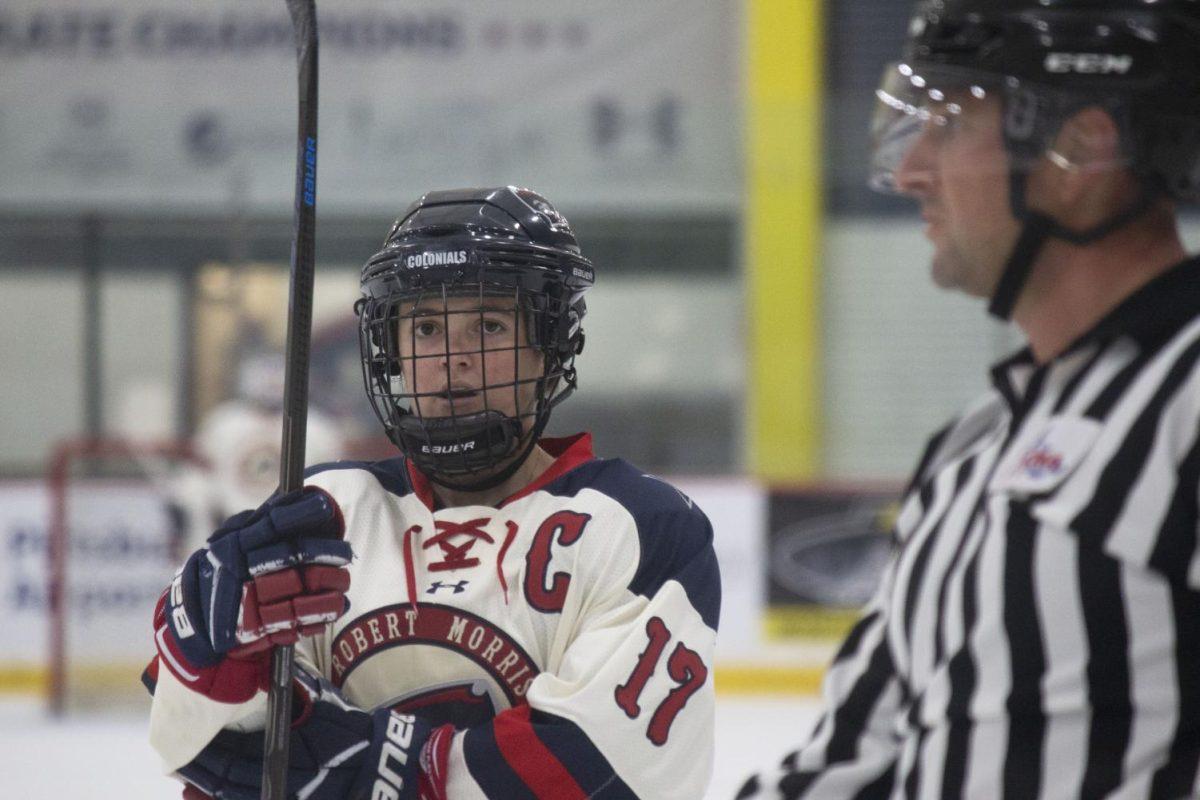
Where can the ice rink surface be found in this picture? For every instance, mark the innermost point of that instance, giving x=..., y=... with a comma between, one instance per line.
x=107, y=756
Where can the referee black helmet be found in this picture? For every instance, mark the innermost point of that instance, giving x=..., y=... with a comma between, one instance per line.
x=1046, y=60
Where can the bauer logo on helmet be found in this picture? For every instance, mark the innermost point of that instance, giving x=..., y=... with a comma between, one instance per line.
x=446, y=449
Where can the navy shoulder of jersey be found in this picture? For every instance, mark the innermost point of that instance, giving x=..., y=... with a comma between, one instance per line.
x=391, y=473
x=676, y=537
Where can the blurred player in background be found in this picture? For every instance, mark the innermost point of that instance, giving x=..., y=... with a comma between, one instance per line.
x=524, y=619
x=1037, y=633
x=238, y=442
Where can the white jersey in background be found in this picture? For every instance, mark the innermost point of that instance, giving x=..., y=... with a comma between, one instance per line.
x=239, y=444
x=240, y=441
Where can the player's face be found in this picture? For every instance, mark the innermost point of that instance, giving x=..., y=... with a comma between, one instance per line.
x=959, y=172
x=462, y=355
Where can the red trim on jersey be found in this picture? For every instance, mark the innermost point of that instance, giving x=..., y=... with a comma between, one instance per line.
x=410, y=575
x=151, y=670
x=568, y=452
x=233, y=679
x=435, y=764
x=508, y=540
x=535, y=765
x=421, y=485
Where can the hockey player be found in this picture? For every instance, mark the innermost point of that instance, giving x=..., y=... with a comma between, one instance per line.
x=522, y=619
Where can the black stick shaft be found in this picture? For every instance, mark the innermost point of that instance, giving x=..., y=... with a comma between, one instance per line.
x=295, y=391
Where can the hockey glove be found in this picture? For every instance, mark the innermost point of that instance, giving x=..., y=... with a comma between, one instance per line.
x=338, y=752
x=266, y=577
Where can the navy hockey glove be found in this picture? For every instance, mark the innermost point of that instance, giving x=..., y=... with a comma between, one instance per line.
x=338, y=752
x=266, y=577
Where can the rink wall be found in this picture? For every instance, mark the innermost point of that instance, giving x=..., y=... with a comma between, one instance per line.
x=796, y=563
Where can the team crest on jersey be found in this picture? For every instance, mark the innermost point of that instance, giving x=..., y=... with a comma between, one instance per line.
x=444, y=627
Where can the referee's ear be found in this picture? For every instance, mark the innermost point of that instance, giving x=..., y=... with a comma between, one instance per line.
x=1083, y=179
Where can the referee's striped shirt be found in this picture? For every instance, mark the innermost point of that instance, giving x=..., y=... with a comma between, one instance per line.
x=1037, y=634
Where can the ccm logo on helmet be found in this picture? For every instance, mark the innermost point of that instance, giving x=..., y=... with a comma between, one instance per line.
x=436, y=259
x=393, y=758
x=1088, y=63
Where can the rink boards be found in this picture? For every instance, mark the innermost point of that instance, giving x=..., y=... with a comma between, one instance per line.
x=796, y=563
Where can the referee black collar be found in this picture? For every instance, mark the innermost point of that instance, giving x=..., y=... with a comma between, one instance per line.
x=1151, y=315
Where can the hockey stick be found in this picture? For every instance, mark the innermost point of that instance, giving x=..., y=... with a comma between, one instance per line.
x=295, y=382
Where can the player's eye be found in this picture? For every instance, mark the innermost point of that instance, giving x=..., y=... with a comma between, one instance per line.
x=424, y=328
x=493, y=326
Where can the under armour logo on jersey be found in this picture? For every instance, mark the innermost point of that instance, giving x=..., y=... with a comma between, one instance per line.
x=457, y=588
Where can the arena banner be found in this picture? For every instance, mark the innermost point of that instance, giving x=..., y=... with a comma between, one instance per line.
x=121, y=559
x=826, y=549
x=170, y=104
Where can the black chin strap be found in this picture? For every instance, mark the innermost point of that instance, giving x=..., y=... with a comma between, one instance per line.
x=1034, y=232
x=449, y=481
x=1036, y=228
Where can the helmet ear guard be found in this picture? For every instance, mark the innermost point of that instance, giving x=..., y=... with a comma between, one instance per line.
x=376, y=336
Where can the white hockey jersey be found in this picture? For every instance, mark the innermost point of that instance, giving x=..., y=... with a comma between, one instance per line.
x=568, y=634
x=238, y=441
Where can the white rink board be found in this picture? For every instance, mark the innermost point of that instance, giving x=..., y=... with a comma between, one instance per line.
x=737, y=510
x=119, y=566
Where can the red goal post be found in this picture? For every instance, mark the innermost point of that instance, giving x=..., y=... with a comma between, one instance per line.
x=109, y=521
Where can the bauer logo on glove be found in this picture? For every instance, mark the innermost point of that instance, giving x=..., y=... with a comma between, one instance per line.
x=338, y=752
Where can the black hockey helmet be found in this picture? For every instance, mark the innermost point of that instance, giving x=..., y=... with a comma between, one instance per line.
x=498, y=248
x=1046, y=60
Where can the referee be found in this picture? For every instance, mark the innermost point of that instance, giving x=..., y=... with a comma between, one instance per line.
x=1037, y=633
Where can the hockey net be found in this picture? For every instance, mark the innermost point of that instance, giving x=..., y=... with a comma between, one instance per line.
x=114, y=541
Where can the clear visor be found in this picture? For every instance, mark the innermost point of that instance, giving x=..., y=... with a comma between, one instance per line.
x=909, y=104
x=994, y=138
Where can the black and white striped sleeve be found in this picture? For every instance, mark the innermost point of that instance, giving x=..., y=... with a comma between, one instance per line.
x=853, y=748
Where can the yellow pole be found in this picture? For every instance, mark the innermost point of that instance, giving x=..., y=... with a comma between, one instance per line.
x=783, y=244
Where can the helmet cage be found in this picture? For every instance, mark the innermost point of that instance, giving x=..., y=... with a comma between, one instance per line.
x=479, y=447
x=477, y=252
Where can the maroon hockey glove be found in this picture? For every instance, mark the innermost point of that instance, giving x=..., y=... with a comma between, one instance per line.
x=266, y=577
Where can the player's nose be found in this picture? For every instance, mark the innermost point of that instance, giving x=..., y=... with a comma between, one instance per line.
x=462, y=351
